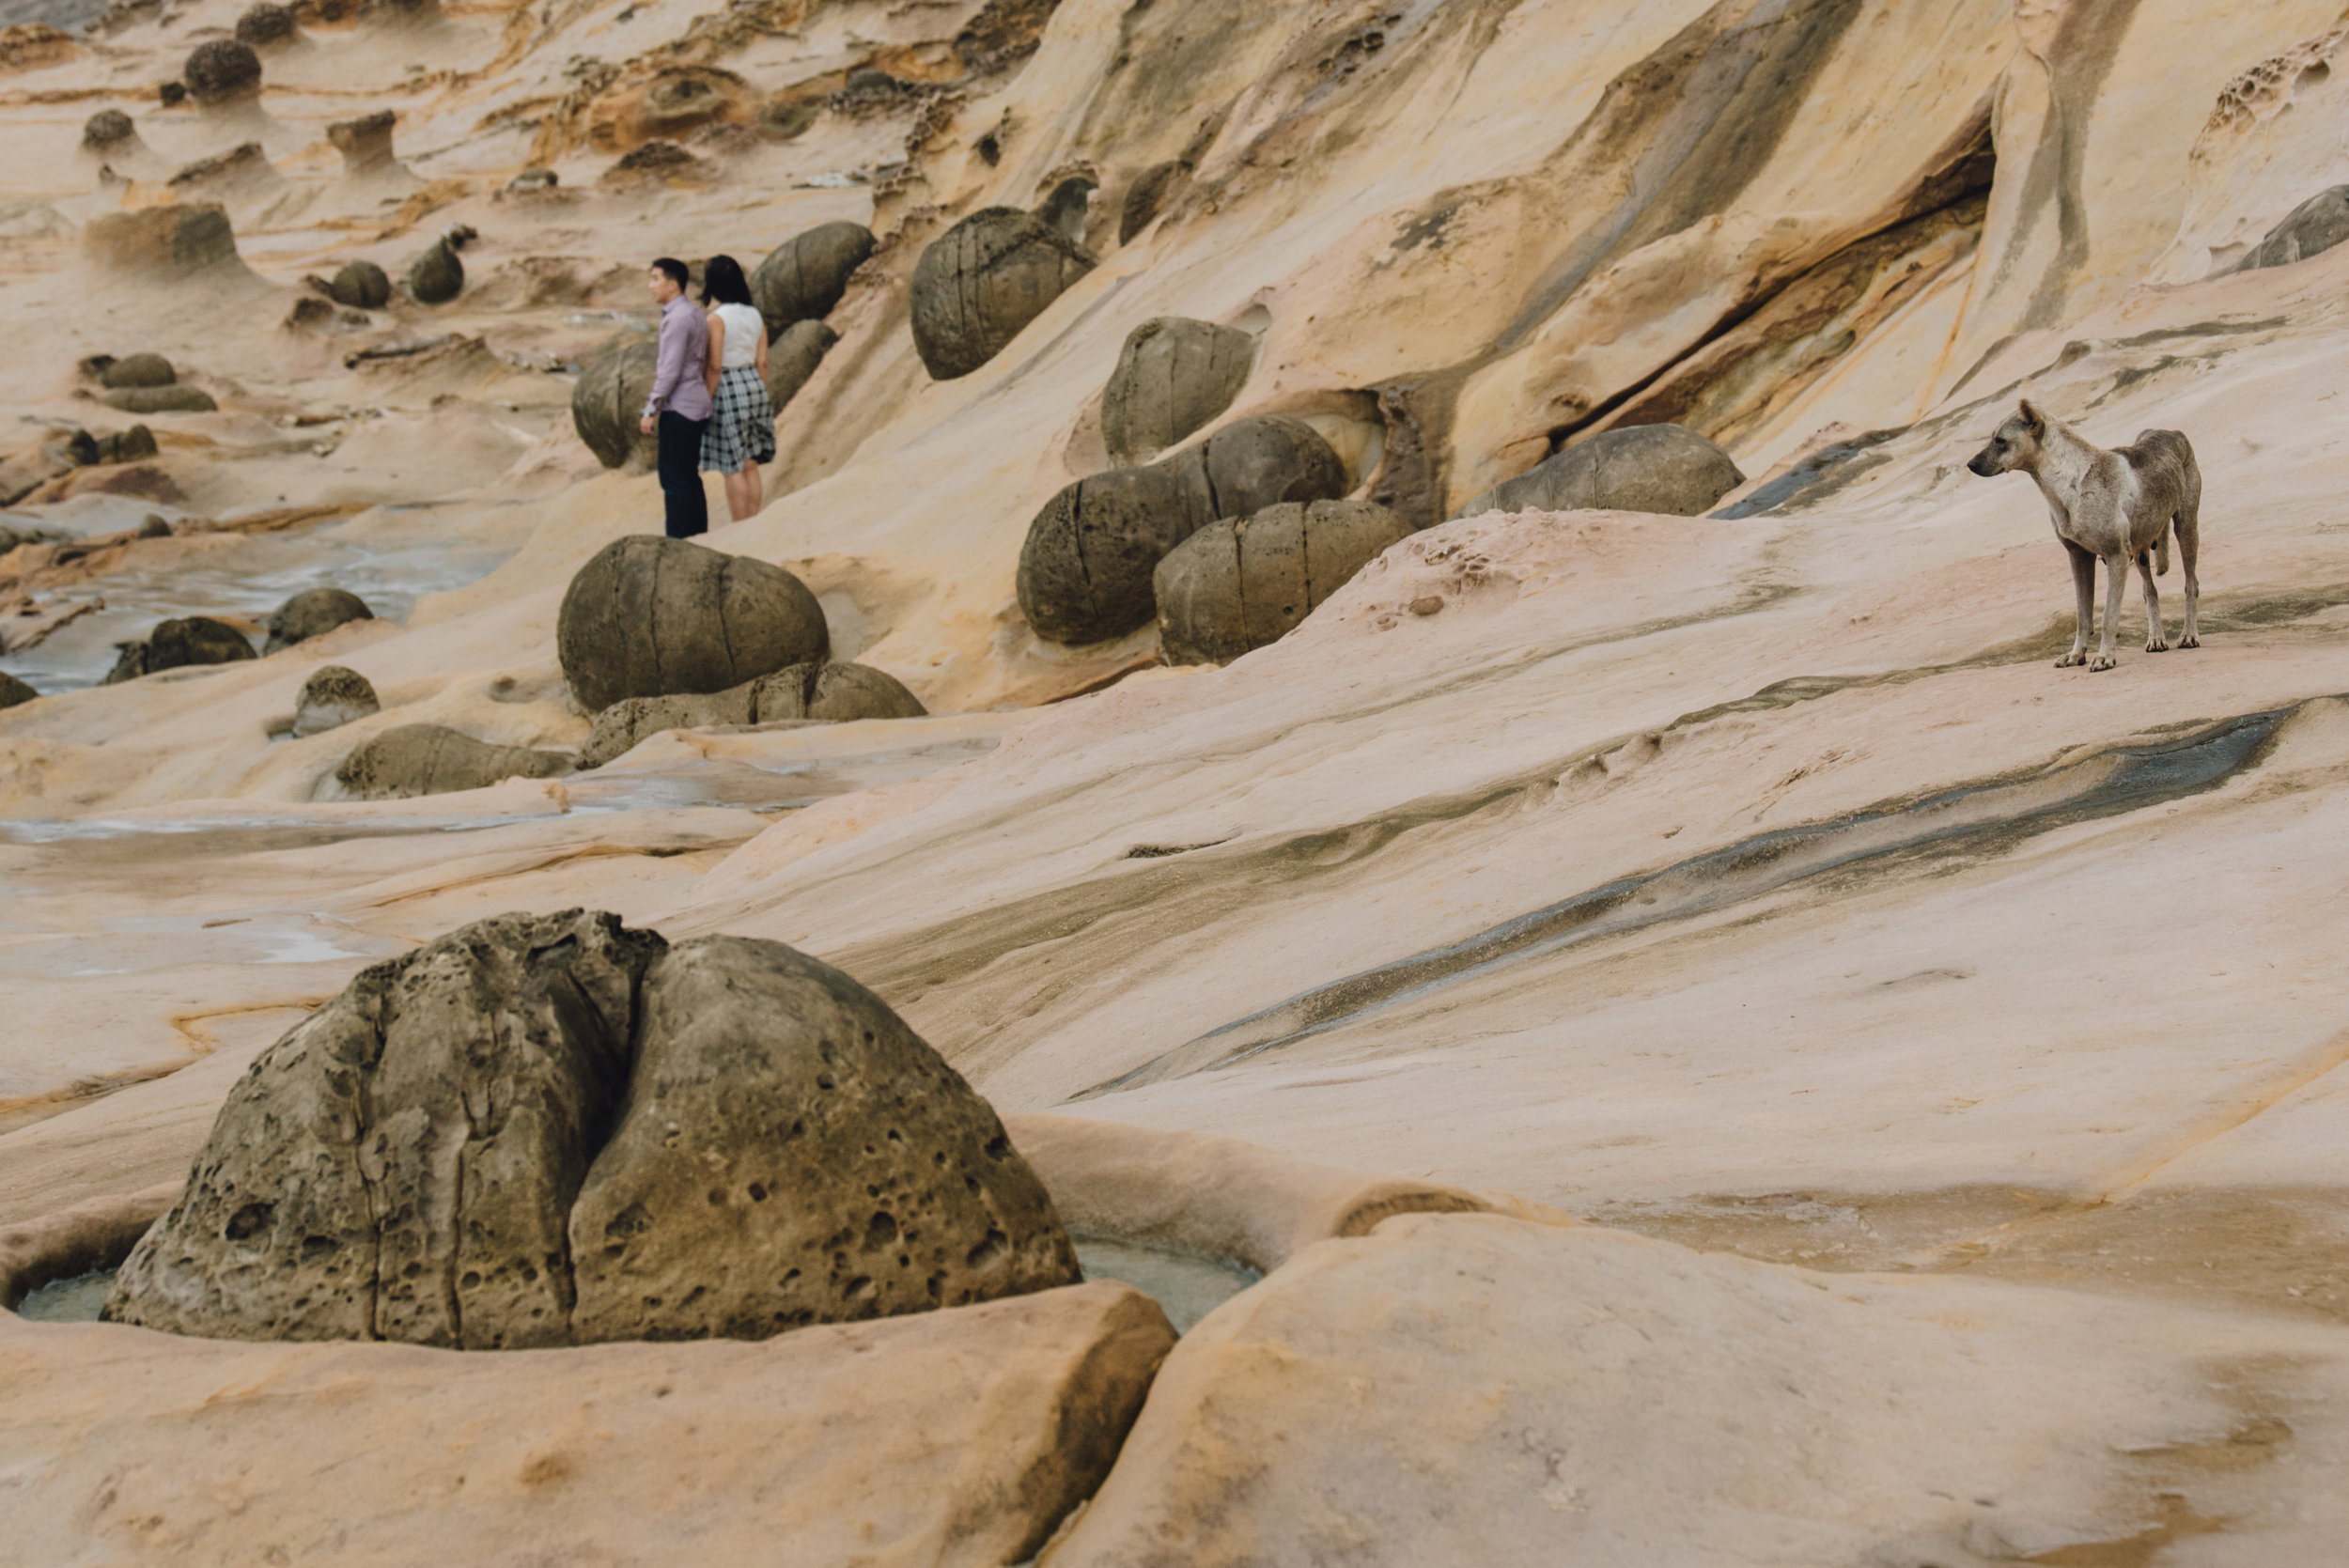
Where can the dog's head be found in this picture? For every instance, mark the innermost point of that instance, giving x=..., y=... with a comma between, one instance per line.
x=2015, y=444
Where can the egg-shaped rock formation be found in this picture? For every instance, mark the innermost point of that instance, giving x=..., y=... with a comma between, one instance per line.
x=437, y=277
x=361, y=286
x=221, y=72
x=721, y=1137
x=792, y=358
x=265, y=25
x=609, y=396
x=1243, y=582
x=1641, y=467
x=803, y=278
x=177, y=643
x=1085, y=569
x=433, y=759
x=14, y=692
x=108, y=131
x=2311, y=228
x=138, y=370
x=331, y=698
x=311, y=613
x=826, y=692
x=1174, y=376
x=982, y=281
x=653, y=617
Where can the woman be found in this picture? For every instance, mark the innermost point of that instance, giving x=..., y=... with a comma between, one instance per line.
x=741, y=433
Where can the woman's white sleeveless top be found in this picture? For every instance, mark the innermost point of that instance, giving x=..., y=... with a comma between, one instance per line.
x=743, y=326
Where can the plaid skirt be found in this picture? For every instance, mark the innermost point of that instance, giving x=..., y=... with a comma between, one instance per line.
x=741, y=423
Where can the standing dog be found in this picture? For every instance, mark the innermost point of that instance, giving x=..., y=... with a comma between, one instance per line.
x=2113, y=506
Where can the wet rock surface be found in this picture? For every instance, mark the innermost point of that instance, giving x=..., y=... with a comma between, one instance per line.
x=332, y=697
x=656, y=617
x=433, y=759
x=549, y=1129
x=1174, y=376
x=803, y=278
x=1085, y=569
x=2311, y=228
x=824, y=691
x=1644, y=468
x=313, y=612
x=610, y=396
x=177, y=644
x=1243, y=582
x=982, y=281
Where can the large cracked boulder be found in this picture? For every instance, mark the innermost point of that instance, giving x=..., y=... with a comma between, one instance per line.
x=609, y=397
x=2311, y=228
x=361, y=286
x=822, y=693
x=1174, y=376
x=433, y=759
x=803, y=278
x=332, y=697
x=1245, y=583
x=176, y=645
x=793, y=357
x=221, y=72
x=313, y=612
x=653, y=617
x=545, y=1130
x=1085, y=569
x=138, y=370
x=437, y=277
x=982, y=281
x=1641, y=467
x=13, y=691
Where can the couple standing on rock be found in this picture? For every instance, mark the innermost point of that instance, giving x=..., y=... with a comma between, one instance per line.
x=708, y=405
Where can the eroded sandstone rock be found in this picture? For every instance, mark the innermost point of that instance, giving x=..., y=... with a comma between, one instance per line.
x=221, y=72
x=1085, y=569
x=825, y=692
x=433, y=759
x=1174, y=376
x=162, y=243
x=265, y=25
x=331, y=698
x=160, y=399
x=366, y=143
x=653, y=617
x=108, y=131
x=437, y=277
x=312, y=612
x=1244, y=582
x=793, y=357
x=803, y=278
x=177, y=644
x=14, y=692
x=2311, y=228
x=138, y=370
x=361, y=285
x=982, y=281
x=610, y=395
x=1641, y=468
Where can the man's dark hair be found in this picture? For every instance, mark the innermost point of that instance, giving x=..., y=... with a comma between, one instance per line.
x=723, y=283
x=676, y=269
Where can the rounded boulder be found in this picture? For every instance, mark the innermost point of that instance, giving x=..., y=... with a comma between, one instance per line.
x=980, y=282
x=107, y=129
x=793, y=358
x=223, y=71
x=312, y=612
x=160, y=399
x=332, y=697
x=175, y=645
x=437, y=277
x=433, y=759
x=803, y=278
x=138, y=370
x=1243, y=582
x=1640, y=468
x=654, y=617
x=834, y=693
x=610, y=395
x=13, y=691
x=265, y=25
x=2311, y=228
x=1172, y=377
x=361, y=286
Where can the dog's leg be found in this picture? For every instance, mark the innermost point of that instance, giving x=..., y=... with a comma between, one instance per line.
x=2154, y=641
x=2084, y=603
x=2188, y=523
x=2116, y=574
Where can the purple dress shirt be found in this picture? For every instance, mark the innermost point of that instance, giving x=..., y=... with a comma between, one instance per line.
x=678, y=381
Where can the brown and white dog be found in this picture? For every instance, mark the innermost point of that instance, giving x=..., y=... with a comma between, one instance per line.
x=2113, y=506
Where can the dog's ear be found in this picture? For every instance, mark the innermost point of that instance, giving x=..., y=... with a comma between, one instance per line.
x=2033, y=418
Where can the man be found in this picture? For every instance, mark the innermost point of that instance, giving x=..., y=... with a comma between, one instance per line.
x=678, y=409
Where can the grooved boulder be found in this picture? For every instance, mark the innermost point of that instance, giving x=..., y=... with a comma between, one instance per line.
x=825, y=692
x=982, y=281
x=610, y=395
x=332, y=697
x=1641, y=468
x=792, y=358
x=361, y=286
x=433, y=759
x=1084, y=571
x=803, y=278
x=312, y=612
x=1243, y=582
x=653, y=617
x=437, y=277
x=2311, y=228
x=1172, y=377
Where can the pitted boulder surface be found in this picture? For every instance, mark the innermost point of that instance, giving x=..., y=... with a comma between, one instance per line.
x=313, y=612
x=222, y=71
x=819, y=693
x=803, y=278
x=609, y=396
x=547, y=1129
x=433, y=759
x=1643, y=468
x=655, y=618
x=1172, y=377
x=790, y=1154
x=2311, y=228
x=982, y=281
x=1085, y=569
x=177, y=644
x=1244, y=582
x=793, y=357
x=332, y=697
x=361, y=286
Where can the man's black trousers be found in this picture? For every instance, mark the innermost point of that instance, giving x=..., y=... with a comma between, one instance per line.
x=682, y=474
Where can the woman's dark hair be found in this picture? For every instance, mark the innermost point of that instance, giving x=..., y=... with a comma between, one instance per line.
x=723, y=283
